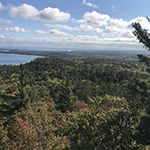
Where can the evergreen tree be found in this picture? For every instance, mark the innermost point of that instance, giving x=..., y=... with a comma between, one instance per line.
x=10, y=105
x=66, y=100
x=24, y=80
x=144, y=37
x=143, y=135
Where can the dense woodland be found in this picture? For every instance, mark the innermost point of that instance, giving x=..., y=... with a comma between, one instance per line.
x=92, y=102
x=84, y=102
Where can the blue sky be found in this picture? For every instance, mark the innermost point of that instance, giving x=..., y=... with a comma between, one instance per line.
x=68, y=24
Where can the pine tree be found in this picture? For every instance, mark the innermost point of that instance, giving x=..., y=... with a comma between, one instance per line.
x=66, y=100
x=143, y=37
x=10, y=105
x=24, y=80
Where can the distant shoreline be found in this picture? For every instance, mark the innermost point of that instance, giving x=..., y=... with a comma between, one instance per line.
x=75, y=54
x=59, y=54
x=21, y=54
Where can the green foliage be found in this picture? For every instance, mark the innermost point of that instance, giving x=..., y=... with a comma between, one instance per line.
x=66, y=100
x=79, y=114
x=106, y=124
x=3, y=135
x=143, y=37
x=141, y=88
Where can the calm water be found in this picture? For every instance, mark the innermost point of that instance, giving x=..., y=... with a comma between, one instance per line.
x=15, y=59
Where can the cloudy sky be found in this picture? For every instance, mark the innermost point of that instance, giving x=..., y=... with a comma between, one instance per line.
x=71, y=24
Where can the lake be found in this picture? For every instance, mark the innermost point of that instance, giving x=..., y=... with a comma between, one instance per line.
x=15, y=59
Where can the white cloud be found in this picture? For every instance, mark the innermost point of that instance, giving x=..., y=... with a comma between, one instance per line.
x=75, y=42
x=97, y=30
x=48, y=14
x=96, y=19
x=117, y=32
x=81, y=21
x=5, y=21
x=40, y=32
x=78, y=21
x=84, y=27
x=57, y=32
x=89, y=4
x=59, y=26
x=126, y=34
x=109, y=26
x=2, y=36
x=24, y=11
x=113, y=8
x=52, y=14
x=118, y=23
x=90, y=21
x=16, y=29
x=1, y=6
x=114, y=29
x=122, y=28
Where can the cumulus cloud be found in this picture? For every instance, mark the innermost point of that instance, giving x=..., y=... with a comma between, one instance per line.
x=96, y=19
x=102, y=24
x=84, y=27
x=16, y=29
x=122, y=28
x=118, y=23
x=97, y=30
x=89, y=4
x=59, y=26
x=126, y=34
x=78, y=21
x=128, y=24
x=118, y=32
x=57, y=32
x=24, y=11
x=92, y=20
x=40, y=32
x=30, y=12
x=5, y=21
x=114, y=29
x=52, y=14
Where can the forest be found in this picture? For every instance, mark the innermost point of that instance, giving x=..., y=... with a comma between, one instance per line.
x=90, y=102
x=94, y=102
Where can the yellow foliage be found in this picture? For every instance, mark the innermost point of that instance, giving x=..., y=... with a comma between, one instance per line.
x=83, y=127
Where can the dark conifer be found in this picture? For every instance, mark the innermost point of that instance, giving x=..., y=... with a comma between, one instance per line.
x=143, y=135
x=144, y=37
x=66, y=99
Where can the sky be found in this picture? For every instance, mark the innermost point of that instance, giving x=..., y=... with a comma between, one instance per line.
x=72, y=25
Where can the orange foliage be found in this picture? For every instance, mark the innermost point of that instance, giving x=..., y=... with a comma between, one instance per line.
x=39, y=126
x=3, y=91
